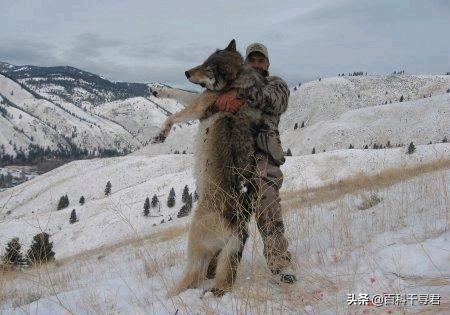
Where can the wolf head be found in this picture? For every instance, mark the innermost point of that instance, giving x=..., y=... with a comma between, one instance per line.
x=219, y=69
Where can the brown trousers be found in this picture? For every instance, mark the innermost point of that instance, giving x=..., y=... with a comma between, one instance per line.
x=268, y=214
x=265, y=203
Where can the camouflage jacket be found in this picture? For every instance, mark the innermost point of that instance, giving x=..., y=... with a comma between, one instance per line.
x=272, y=100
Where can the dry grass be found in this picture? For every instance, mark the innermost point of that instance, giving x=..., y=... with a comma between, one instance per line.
x=358, y=182
x=323, y=231
x=155, y=265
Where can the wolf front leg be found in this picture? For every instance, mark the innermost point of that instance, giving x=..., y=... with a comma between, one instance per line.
x=192, y=112
x=182, y=96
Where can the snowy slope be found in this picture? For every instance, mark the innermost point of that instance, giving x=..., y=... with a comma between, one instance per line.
x=397, y=245
x=142, y=117
x=33, y=204
x=47, y=119
x=65, y=84
x=322, y=100
x=133, y=179
x=22, y=129
x=420, y=121
x=335, y=117
x=84, y=129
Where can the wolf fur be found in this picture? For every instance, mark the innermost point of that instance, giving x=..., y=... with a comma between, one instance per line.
x=183, y=96
x=224, y=152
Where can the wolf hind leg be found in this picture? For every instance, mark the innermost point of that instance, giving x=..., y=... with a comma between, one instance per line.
x=228, y=263
x=194, y=274
x=203, y=244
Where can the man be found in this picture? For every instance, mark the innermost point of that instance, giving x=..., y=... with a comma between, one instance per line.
x=272, y=100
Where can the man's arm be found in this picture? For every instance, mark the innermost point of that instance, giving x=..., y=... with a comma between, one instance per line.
x=271, y=98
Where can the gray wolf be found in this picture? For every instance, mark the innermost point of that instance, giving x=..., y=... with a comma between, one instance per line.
x=224, y=159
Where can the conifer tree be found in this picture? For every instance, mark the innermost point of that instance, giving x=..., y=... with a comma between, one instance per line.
x=411, y=148
x=41, y=249
x=444, y=140
x=154, y=201
x=401, y=98
x=185, y=195
x=13, y=255
x=146, y=207
x=313, y=151
x=73, y=217
x=190, y=201
x=183, y=211
x=295, y=126
x=195, y=195
x=63, y=202
x=289, y=153
x=108, y=188
x=303, y=124
x=82, y=200
x=171, y=198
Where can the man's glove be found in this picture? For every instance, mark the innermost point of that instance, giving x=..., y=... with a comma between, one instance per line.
x=228, y=102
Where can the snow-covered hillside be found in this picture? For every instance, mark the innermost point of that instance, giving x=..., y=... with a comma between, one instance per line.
x=26, y=208
x=335, y=117
x=65, y=84
x=357, y=241
x=317, y=101
x=132, y=178
x=420, y=121
x=27, y=118
x=83, y=129
x=142, y=117
x=354, y=218
x=65, y=107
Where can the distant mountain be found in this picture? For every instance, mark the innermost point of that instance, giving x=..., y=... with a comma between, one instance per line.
x=72, y=85
x=50, y=111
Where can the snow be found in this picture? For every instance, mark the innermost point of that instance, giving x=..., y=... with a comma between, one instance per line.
x=401, y=240
x=423, y=120
x=319, y=101
x=62, y=120
x=387, y=231
x=128, y=123
x=140, y=116
x=336, y=117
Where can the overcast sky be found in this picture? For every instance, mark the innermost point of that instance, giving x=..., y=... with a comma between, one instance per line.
x=148, y=41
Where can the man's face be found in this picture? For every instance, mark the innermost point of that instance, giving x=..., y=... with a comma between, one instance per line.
x=258, y=61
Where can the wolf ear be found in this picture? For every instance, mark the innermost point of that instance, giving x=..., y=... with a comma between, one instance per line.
x=231, y=46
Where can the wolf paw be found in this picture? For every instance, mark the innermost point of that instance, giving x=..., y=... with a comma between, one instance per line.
x=218, y=292
x=213, y=293
x=160, y=138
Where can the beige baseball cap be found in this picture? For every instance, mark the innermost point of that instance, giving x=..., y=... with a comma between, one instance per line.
x=257, y=47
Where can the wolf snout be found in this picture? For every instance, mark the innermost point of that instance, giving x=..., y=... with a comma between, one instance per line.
x=188, y=75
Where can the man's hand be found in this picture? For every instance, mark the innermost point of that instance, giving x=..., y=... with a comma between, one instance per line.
x=228, y=102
